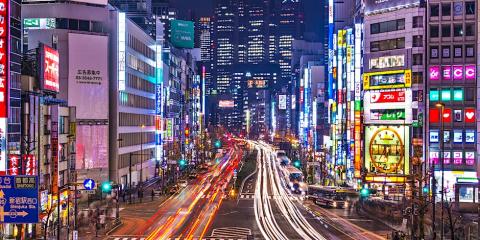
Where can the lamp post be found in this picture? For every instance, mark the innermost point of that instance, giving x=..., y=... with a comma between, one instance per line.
x=442, y=108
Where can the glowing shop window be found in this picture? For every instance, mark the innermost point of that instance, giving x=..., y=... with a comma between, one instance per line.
x=466, y=194
x=458, y=95
x=446, y=95
x=434, y=95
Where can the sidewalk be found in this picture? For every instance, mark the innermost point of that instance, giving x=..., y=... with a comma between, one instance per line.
x=132, y=216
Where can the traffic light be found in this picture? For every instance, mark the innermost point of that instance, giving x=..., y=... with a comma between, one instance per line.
x=297, y=163
x=107, y=187
x=364, y=192
x=182, y=162
x=218, y=143
x=425, y=190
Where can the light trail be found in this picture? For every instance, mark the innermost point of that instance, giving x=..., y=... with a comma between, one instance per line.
x=268, y=173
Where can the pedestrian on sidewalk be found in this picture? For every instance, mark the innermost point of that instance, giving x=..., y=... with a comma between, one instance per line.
x=153, y=194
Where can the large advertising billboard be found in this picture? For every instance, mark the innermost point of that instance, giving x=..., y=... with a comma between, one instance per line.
x=182, y=33
x=49, y=69
x=88, y=75
x=387, y=150
x=372, y=6
x=92, y=146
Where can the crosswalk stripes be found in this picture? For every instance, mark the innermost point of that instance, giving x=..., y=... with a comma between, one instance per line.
x=231, y=233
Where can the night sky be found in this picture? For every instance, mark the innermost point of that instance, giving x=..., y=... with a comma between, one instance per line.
x=205, y=8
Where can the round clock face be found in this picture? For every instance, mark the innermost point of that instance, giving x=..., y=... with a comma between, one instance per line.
x=387, y=151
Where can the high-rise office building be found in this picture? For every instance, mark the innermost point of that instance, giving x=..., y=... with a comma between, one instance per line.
x=451, y=120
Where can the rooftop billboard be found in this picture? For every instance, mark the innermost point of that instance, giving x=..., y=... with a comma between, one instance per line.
x=182, y=33
x=372, y=6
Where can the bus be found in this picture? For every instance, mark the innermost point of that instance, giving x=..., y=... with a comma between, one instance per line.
x=330, y=197
x=294, y=178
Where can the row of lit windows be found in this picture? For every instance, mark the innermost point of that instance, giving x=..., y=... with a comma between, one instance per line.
x=138, y=138
x=124, y=160
x=131, y=119
x=131, y=100
x=140, y=47
x=458, y=51
x=140, y=83
x=139, y=65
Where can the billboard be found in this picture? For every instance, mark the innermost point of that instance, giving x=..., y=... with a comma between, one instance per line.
x=372, y=6
x=48, y=73
x=456, y=72
x=387, y=79
x=39, y=23
x=387, y=150
x=88, y=75
x=182, y=33
x=92, y=146
x=388, y=106
x=387, y=62
x=169, y=129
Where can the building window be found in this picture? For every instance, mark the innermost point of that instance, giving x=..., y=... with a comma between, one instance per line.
x=417, y=22
x=417, y=41
x=417, y=59
x=470, y=8
x=457, y=30
x=446, y=9
x=446, y=30
x=434, y=10
x=470, y=50
x=469, y=29
x=417, y=78
x=445, y=51
x=457, y=51
x=434, y=52
x=390, y=44
x=469, y=94
x=388, y=26
x=434, y=33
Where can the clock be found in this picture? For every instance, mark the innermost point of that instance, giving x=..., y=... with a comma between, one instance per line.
x=387, y=151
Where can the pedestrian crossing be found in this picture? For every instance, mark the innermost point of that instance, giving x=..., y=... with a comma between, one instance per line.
x=251, y=196
x=208, y=238
x=127, y=238
x=231, y=233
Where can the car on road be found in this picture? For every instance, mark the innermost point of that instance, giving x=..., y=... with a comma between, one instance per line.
x=183, y=183
x=173, y=189
x=193, y=176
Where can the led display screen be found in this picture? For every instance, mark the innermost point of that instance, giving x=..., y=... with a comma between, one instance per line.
x=387, y=79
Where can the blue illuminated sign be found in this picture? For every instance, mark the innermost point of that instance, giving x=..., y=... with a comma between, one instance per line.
x=89, y=184
x=19, y=199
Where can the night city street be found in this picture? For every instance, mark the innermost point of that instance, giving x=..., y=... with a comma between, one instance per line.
x=239, y=119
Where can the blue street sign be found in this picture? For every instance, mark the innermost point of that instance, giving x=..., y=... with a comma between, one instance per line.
x=89, y=184
x=19, y=199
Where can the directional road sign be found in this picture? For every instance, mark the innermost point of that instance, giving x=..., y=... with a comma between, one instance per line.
x=89, y=184
x=19, y=199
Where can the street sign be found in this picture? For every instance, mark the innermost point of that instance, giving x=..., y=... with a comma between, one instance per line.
x=19, y=199
x=75, y=235
x=89, y=184
x=88, y=191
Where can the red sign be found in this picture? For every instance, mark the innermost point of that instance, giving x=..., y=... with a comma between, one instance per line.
x=13, y=165
x=387, y=97
x=469, y=115
x=29, y=165
x=50, y=69
x=434, y=114
x=3, y=58
x=447, y=115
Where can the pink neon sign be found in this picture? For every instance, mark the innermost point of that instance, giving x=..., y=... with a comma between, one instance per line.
x=470, y=73
x=447, y=72
x=434, y=72
x=457, y=72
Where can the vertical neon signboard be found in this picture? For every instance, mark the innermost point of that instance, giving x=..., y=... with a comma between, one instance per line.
x=4, y=73
x=121, y=52
x=358, y=83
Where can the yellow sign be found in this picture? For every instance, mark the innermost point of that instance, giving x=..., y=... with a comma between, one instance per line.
x=387, y=79
x=386, y=151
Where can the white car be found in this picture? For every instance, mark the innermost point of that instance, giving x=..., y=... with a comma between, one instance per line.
x=182, y=183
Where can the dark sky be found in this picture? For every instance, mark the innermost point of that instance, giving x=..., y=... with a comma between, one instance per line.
x=201, y=7
x=205, y=8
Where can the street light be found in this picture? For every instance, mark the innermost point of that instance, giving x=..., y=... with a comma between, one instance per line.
x=442, y=108
x=141, y=152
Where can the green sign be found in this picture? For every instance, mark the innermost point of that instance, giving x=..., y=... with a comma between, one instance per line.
x=182, y=33
x=39, y=23
x=458, y=95
x=358, y=105
x=446, y=95
x=390, y=115
x=434, y=95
